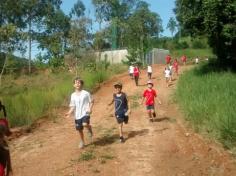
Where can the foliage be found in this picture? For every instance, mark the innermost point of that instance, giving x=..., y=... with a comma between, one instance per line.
x=172, y=25
x=214, y=18
x=209, y=101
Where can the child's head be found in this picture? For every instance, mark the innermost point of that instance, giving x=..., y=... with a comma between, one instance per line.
x=118, y=87
x=78, y=83
x=150, y=84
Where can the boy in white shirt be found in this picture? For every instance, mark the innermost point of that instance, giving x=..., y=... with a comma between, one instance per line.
x=149, y=71
x=131, y=71
x=81, y=104
x=167, y=76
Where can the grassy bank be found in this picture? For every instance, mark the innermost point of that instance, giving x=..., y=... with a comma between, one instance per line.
x=207, y=97
x=27, y=98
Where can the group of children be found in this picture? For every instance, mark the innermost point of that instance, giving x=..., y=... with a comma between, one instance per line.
x=81, y=104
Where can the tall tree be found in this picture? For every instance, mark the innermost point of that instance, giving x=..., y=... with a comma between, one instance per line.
x=142, y=25
x=172, y=25
x=214, y=18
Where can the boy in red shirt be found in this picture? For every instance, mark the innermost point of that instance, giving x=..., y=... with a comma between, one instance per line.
x=136, y=74
x=184, y=59
x=150, y=94
x=176, y=67
x=168, y=59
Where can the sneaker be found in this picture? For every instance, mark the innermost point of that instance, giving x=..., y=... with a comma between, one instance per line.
x=81, y=145
x=122, y=139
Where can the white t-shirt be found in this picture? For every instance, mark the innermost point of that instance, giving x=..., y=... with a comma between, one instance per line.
x=167, y=73
x=196, y=60
x=149, y=69
x=131, y=69
x=81, y=102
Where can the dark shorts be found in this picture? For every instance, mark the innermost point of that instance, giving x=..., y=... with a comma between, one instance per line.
x=79, y=122
x=149, y=107
x=122, y=118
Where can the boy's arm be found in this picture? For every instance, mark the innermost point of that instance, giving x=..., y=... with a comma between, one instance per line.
x=158, y=99
x=72, y=108
x=112, y=101
x=91, y=106
x=141, y=102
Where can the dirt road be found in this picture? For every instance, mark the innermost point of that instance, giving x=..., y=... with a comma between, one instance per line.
x=165, y=147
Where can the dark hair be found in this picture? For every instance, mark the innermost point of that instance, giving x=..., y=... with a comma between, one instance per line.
x=79, y=79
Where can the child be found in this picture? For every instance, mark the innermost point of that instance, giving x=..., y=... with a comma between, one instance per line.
x=196, y=60
x=176, y=67
x=184, y=59
x=136, y=74
x=167, y=73
x=150, y=94
x=5, y=159
x=168, y=59
x=121, y=108
x=149, y=71
x=81, y=104
x=131, y=71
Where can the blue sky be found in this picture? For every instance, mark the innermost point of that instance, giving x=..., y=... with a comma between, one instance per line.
x=163, y=7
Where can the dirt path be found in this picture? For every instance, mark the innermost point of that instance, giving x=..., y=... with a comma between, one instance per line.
x=162, y=148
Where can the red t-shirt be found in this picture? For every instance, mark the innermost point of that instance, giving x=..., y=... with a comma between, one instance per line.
x=136, y=71
x=184, y=58
x=176, y=65
x=168, y=58
x=149, y=95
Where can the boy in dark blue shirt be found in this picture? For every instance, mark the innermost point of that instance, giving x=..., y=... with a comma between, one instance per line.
x=121, y=108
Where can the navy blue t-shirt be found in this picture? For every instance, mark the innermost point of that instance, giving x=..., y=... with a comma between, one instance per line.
x=121, y=103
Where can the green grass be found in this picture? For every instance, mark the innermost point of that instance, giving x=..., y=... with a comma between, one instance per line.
x=28, y=98
x=192, y=53
x=207, y=97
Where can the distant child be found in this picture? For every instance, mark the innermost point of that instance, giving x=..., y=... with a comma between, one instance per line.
x=167, y=73
x=168, y=59
x=184, y=59
x=136, y=74
x=149, y=71
x=149, y=95
x=131, y=71
x=5, y=159
x=121, y=108
x=81, y=103
x=3, y=120
x=196, y=60
x=176, y=67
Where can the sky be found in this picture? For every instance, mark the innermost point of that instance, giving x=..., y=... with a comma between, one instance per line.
x=163, y=7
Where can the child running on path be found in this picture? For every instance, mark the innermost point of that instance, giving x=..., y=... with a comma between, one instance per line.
x=131, y=71
x=81, y=104
x=136, y=74
x=121, y=108
x=168, y=75
x=176, y=66
x=149, y=95
x=149, y=71
x=5, y=159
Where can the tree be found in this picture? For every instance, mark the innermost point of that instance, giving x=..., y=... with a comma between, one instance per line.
x=214, y=18
x=172, y=25
x=142, y=26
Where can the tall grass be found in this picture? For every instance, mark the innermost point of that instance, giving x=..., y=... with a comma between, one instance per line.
x=28, y=98
x=208, y=100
